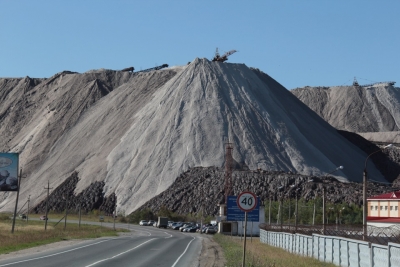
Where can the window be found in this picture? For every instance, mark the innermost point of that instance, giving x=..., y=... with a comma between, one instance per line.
x=395, y=207
x=376, y=207
x=372, y=208
x=391, y=207
x=385, y=207
x=381, y=207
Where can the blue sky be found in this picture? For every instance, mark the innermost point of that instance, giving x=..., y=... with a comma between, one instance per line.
x=298, y=43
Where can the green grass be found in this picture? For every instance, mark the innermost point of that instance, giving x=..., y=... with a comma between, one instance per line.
x=261, y=255
x=32, y=233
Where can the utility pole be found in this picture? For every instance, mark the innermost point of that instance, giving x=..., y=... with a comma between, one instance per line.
x=313, y=218
x=66, y=211
x=80, y=204
x=47, y=204
x=280, y=212
x=365, y=206
x=295, y=218
x=27, y=214
x=16, y=201
x=269, y=215
x=323, y=211
x=290, y=211
x=115, y=211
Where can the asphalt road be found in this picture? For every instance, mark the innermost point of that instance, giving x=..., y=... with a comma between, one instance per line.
x=142, y=246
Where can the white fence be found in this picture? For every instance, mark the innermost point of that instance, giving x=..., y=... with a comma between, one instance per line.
x=337, y=250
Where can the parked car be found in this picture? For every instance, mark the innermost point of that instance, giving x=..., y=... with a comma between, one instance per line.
x=44, y=218
x=143, y=223
x=193, y=229
x=176, y=226
x=186, y=224
x=22, y=216
x=211, y=230
x=150, y=223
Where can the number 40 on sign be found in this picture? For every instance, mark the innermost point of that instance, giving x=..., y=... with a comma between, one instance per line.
x=247, y=201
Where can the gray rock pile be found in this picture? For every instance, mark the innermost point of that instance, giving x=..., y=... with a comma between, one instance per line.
x=92, y=198
x=203, y=188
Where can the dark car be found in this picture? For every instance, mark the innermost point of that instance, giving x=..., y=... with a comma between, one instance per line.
x=211, y=230
x=176, y=226
x=192, y=229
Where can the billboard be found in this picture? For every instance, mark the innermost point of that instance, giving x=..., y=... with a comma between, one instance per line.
x=236, y=214
x=9, y=171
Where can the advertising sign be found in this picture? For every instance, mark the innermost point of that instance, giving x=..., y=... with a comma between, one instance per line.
x=236, y=214
x=9, y=171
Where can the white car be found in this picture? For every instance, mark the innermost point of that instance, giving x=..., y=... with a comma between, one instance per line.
x=143, y=223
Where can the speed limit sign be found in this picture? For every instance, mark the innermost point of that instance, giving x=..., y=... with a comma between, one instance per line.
x=247, y=201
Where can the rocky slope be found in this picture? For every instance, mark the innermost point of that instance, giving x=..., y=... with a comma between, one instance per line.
x=203, y=188
x=374, y=108
x=137, y=132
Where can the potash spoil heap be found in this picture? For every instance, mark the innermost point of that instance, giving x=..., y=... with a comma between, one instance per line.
x=138, y=132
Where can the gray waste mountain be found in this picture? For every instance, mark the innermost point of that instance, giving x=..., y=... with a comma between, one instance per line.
x=137, y=132
x=373, y=108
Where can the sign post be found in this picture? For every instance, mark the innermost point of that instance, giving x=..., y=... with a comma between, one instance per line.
x=246, y=201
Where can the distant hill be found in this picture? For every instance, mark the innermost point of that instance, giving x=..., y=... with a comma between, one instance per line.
x=373, y=108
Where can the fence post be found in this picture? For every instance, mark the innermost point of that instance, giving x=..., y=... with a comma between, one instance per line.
x=348, y=253
x=371, y=254
x=389, y=263
x=340, y=252
x=312, y=247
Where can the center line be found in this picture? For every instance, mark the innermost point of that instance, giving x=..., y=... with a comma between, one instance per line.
x=119, y=253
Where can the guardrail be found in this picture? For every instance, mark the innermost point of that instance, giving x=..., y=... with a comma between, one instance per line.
x=337, y=250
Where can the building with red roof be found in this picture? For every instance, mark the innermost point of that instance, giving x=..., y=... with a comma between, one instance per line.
x=384, y=208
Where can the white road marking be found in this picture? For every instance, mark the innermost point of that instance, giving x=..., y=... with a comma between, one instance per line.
x=119, y=253
x=167, y=234
x=183, y=252
x=56, y=253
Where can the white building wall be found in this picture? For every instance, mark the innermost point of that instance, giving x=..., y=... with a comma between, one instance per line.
x=252, y=227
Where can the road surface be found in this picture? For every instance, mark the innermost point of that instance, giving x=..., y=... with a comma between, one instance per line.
x=142, y=246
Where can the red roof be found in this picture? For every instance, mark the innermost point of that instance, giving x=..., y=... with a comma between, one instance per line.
x=383, y=219
x=391, y=195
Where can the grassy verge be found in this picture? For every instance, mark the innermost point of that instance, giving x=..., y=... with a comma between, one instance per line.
x=259, y=254
x=31, y=234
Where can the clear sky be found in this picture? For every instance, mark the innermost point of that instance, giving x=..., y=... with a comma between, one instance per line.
x=298, y=43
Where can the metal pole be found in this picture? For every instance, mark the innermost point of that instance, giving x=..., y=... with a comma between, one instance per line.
x=269, y=216
x=80, y=214
x=16, y=201
x=365, y=204
x=280, y=212
x=115, y=212
x=295, y=218
x=323, y=211
x=244, y=244
x=290, y=211
x=313, y=218
x=201, y=220
x=47, y=205
x=66, y=211
x=27, y=214
x=251, y=232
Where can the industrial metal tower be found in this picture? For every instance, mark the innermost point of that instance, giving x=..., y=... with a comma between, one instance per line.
x=228, y=171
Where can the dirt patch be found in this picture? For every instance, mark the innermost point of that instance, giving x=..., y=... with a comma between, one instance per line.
x=211, y=253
